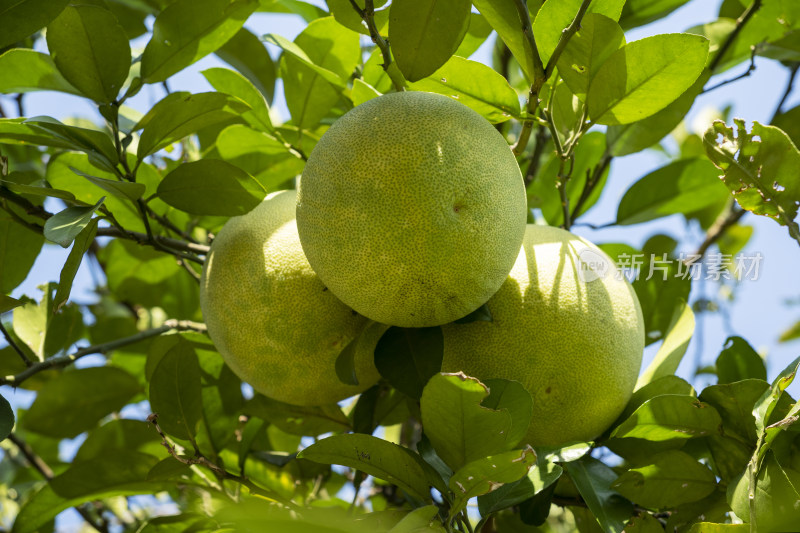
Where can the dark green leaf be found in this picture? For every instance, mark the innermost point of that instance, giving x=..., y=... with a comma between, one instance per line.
x=297, y=420
x=343, y=12
x=640, y=12
x=683, y=186
x=669, y=479
x=221, y=393
x=38, y=191
x=122, y=473
x=425, y=33
x=713, y=527
x=181, y=114
x=7, y=303
x=92, y=392
x=409, y=357
x=593, y=480
x=645, y=76
x=6, y=418
x=476, y=86
x=175, y=392
x=246, y=53
x=211, y=187
x=769, y=400
x=776, y=497
x=188, y=30
x=82, y=243
x=19, y=19
x=477, y=33
x=121, y=189
x=91, y=50
x=26, y=70
x=540, y=477
x=662, y=300
x=484, y=475
x=346, y=364
x=759, y=169
x=120, y=434
x=735, y=402
x=672, y=350
x=375, y=457
x=739, y=361
x=670, y=416
x=460, y=428
x=310, y=92
x=97, y=144
x=598, y=38
x=19, y=248
x=232, y=83
x=64, y=226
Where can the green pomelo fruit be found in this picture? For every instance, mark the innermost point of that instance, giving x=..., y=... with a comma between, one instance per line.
x=567, y=328
x=412, y=209
x=272, y=319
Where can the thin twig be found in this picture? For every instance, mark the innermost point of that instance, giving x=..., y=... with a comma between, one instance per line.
x=725, y=220
x=167, y=223
x=40, y=466
x=172, y=245
x=64, y=360
x=20, y=105
x=15, y=346
x=368, y=16
x=188, y=268
x=787, y=92
x=745, y=74
x=200, y=460
x=536, y=157
x=740, y=23
x=591, y=183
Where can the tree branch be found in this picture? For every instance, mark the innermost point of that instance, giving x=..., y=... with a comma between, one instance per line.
x=725, y=220
x=64, y=360
x=368, y=16
x=15, y=346
x=745, y=74
x=40, y=466
x=740, y=23
x=173, y=245
x=787, y=92
x=542, y=74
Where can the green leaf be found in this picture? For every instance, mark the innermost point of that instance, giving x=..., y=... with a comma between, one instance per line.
x=362, y=92
x=7, y=303
x=120, y=189
x=6, y=418
x=343, y=12
x=554, y=17
x=511, y=395
x=408, y=357
x=735, y=402
x=246, y=53
x=598, y=38
x=64, y=226
x=307, y=10
x=645, y=76
x=82, y=243
x=791, y=334
x=475, y=85
x=769, y=400
x=175, y=392
x=211, y=187
x=540, y=476
x=346, y=364
x=122, y=473
x=120, y=434
x=188, y=30
x=425, y=33
x=460, y=428
x=739, y=361
x=19, y=248
x=670, y=416
x=20, y=18
x=310, y=93
x=419, y=520
x=682, y=186
x=181, y=114
x=484, y=475
x=665, y=385
x=477, y=33
x=669, y=479
x=593, y=480
x=238, y=140
x=775, y=498
x=631, y=138
x=299, y=54
x=759, y=169
x=502, y=15
x=26, y=70
x=640, y=12
x=672, y=350
x=713, y=527
x=232, y=83
x=92, y=393
x=91, y=50
x=298, y=420
x=37, y=191
x=481, y=314
x=375, y=457
x=98, y=145
x=16, y=131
